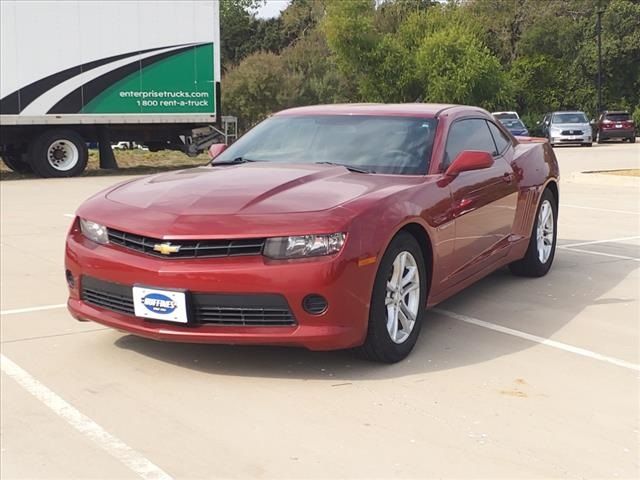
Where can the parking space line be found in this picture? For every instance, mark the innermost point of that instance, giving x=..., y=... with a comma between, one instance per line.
x=70, y=215
x=564, y=205
x=601, y=254
x=544, y=341
x=137, y=463
x=594, y=242
x=32, y=309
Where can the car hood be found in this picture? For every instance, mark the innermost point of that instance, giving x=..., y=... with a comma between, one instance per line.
x=241, y=199
x=248, y=189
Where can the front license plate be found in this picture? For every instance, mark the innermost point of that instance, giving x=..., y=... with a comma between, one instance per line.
x=618, y=125
x=157, y=304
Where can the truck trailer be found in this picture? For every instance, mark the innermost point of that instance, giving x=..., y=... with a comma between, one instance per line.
x=74, y=72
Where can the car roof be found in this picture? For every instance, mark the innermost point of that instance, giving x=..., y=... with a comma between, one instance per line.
x=567, y=111
x=389, y=109
x=616, y=112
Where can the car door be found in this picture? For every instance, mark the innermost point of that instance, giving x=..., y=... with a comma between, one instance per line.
x=483, y=201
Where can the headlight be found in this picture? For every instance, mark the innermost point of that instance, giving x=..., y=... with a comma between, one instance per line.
x=555, y=131
x=94, y=231
x=303, y=246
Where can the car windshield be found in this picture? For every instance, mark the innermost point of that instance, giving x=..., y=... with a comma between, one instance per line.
x=617, y=117
x=377, y=144
x=575, y=117
x=510, y=123
x=506, y=116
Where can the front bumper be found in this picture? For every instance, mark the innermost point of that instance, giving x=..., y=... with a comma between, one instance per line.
x=569, y=139
x=346, y=286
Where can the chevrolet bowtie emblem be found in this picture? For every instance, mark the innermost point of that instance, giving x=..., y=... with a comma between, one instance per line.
x=166, y=248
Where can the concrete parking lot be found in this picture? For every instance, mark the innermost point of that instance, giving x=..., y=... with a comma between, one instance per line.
x=513, y=378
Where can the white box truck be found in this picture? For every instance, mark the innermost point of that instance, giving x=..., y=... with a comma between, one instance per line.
x=74, y=72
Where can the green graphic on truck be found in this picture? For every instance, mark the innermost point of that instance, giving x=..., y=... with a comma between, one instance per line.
x=183, y=82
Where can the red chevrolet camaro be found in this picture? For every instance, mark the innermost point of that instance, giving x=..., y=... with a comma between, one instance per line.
x=325, y=227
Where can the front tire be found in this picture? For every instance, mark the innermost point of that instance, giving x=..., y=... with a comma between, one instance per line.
x=398, y=302
x=58, y=153
x=542, y=244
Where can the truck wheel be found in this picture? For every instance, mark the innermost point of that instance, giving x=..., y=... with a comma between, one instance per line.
x=58, y=153
x=15, y=163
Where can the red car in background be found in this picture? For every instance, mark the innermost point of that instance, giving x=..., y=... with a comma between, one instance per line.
x=326, y=227
x=612, y=125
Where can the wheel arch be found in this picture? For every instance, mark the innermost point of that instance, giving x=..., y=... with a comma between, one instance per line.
x=553, y=187
x=420, y=233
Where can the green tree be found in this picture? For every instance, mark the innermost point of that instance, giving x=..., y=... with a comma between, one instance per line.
x=455, y=67
x=254, y=89
x=433, y=52
x=235, y=29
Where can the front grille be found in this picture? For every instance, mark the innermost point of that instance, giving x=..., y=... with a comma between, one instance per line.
x=113, y=301
x=188, y=248
x=571, y=132
x=250, y=310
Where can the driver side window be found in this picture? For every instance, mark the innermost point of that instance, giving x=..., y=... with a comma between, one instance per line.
x=469, y=134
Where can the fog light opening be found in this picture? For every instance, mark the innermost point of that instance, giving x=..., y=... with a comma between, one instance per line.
x=70, y=280
x=315, y=304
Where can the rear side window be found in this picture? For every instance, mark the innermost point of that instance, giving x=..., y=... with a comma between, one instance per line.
x=470, y=134
x=502, y=141
x=617, y=117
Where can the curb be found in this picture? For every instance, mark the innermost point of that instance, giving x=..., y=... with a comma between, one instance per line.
x=595, y=178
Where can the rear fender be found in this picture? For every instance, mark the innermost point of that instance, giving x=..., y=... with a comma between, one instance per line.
x=536, y=167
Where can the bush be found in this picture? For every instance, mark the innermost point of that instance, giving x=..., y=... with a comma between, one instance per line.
x=636, y=117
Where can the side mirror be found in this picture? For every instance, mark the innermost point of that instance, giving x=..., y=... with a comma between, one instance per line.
x=468, y=160
x=216, y=149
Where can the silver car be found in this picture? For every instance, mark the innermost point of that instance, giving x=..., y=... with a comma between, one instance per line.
x=567, y=127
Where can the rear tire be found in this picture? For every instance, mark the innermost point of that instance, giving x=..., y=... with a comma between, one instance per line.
x=16, y=163
x=398, y=302
x=542, y=244
x=58, y=153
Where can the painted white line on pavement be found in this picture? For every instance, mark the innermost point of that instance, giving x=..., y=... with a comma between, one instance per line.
x=32, y=309
x=541, y=340
x=599, y=209
x=594, y=242
x=70, y=215
x=143, y=467
x=601, y=254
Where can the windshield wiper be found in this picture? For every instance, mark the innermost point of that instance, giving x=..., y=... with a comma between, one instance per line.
x=235, y=161
x=348, y=167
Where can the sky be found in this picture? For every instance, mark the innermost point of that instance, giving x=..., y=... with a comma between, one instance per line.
x=272, y=8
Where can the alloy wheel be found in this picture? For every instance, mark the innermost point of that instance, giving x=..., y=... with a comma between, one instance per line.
x=544, y=232
x=402, y=299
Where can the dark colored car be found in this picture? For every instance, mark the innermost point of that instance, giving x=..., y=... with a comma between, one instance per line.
x=615, y=125
x=515, y=126
x=325, y=227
